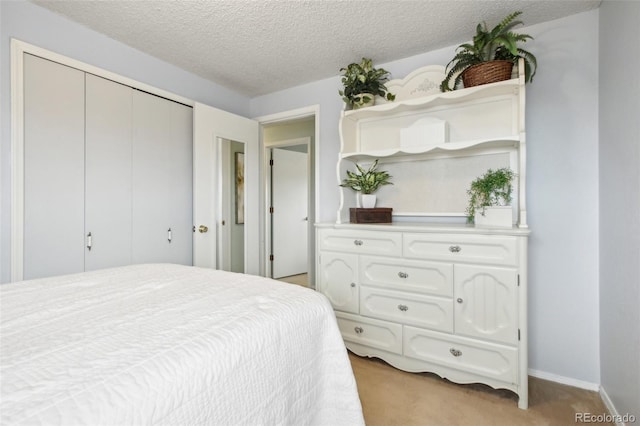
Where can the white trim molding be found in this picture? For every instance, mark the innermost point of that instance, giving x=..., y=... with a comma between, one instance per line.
x=308, y=111
x=565, y=380
x=612, y=409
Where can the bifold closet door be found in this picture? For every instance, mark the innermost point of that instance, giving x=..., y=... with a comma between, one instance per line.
x=162, y=180
x=53, y=168
x=109, y=109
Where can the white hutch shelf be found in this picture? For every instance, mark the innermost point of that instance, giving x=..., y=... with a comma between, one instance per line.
x=424, y=130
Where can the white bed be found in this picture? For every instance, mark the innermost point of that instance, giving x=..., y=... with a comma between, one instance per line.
x=169, y=344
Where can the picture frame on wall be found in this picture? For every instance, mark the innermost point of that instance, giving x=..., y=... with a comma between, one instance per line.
x=239, y=187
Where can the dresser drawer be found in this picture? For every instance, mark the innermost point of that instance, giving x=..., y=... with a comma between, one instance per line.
x=417, y=276
x=435, y=313
x=485, y=359
x=362, y=242
x=484, y=249
x=369, y=332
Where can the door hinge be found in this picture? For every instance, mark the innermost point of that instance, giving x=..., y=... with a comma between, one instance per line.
x=518, y=334
x=271, y=257
x=271, y=210
x=271, y=162
x=518, y=280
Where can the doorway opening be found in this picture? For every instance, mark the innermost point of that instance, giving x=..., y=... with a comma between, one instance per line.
x=231, y=202
x=289, y=158
x=288, y=183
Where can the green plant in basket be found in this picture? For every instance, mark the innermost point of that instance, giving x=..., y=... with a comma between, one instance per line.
x=497, y=44
x=366, y=181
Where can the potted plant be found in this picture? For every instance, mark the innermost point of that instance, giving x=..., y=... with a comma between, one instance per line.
x=490, y=57
x=362, y=82
x=367, y=182
x=490, y=198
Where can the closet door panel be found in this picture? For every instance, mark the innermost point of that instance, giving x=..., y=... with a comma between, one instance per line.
x=151, y=136
x=54, y=240
x=180, y=188
x=108, y=173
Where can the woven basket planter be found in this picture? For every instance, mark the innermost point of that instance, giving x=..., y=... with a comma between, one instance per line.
x=487, y=72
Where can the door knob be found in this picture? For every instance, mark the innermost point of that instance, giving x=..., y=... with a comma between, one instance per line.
x=202, y=229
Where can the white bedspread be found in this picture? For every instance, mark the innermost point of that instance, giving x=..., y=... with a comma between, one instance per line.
x=169, y=344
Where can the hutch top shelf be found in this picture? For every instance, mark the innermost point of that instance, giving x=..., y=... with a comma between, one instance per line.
x=434, y=144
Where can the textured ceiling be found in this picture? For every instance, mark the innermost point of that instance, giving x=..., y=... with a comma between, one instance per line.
x=258, y=47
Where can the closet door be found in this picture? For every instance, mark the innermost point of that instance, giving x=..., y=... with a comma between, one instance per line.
x=180, y=188
x=161, y=189
x=53, y=169
x=108, y=173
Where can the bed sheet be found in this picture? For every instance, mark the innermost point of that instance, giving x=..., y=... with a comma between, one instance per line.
x=171, y=344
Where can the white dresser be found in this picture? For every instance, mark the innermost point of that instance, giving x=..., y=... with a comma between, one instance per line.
x=428, y=293
x=447, y=299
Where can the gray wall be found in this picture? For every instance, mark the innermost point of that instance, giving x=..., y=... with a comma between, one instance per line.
x=562, y=136
x=33, y=24
x=620, y=204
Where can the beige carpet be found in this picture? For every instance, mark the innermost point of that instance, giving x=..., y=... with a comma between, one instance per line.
x=300, y=279
x=391, y=397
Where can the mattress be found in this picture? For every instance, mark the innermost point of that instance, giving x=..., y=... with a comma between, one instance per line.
x=171, y=344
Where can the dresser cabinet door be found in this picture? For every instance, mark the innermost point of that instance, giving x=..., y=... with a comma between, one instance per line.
x=433, y=278
x=338, y=280
x=483, y=249
x=486, y=301
x=361, y=242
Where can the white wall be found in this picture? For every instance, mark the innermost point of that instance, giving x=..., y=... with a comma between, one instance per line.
x=33, y=24
x=562, y=136
x=620, y=205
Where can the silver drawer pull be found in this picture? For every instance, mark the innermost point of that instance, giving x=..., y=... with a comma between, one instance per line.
x=455, y=249
x=353, y=284
x=358, y=330
x=357, y=242
x=403, y=275
x=455, y=352
x=459, y=300
x=403, y=308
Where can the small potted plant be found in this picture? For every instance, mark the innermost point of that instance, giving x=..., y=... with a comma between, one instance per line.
x=362, y=82
x=367, y=182
x=490, y=199
x=490, y=57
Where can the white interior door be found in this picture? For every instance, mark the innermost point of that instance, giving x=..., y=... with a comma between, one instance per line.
x=211, y=124
x=289, y=195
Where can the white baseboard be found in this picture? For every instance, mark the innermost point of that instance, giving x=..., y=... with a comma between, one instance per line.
x=609, y=404
x=565, y=380
x=615, y=416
